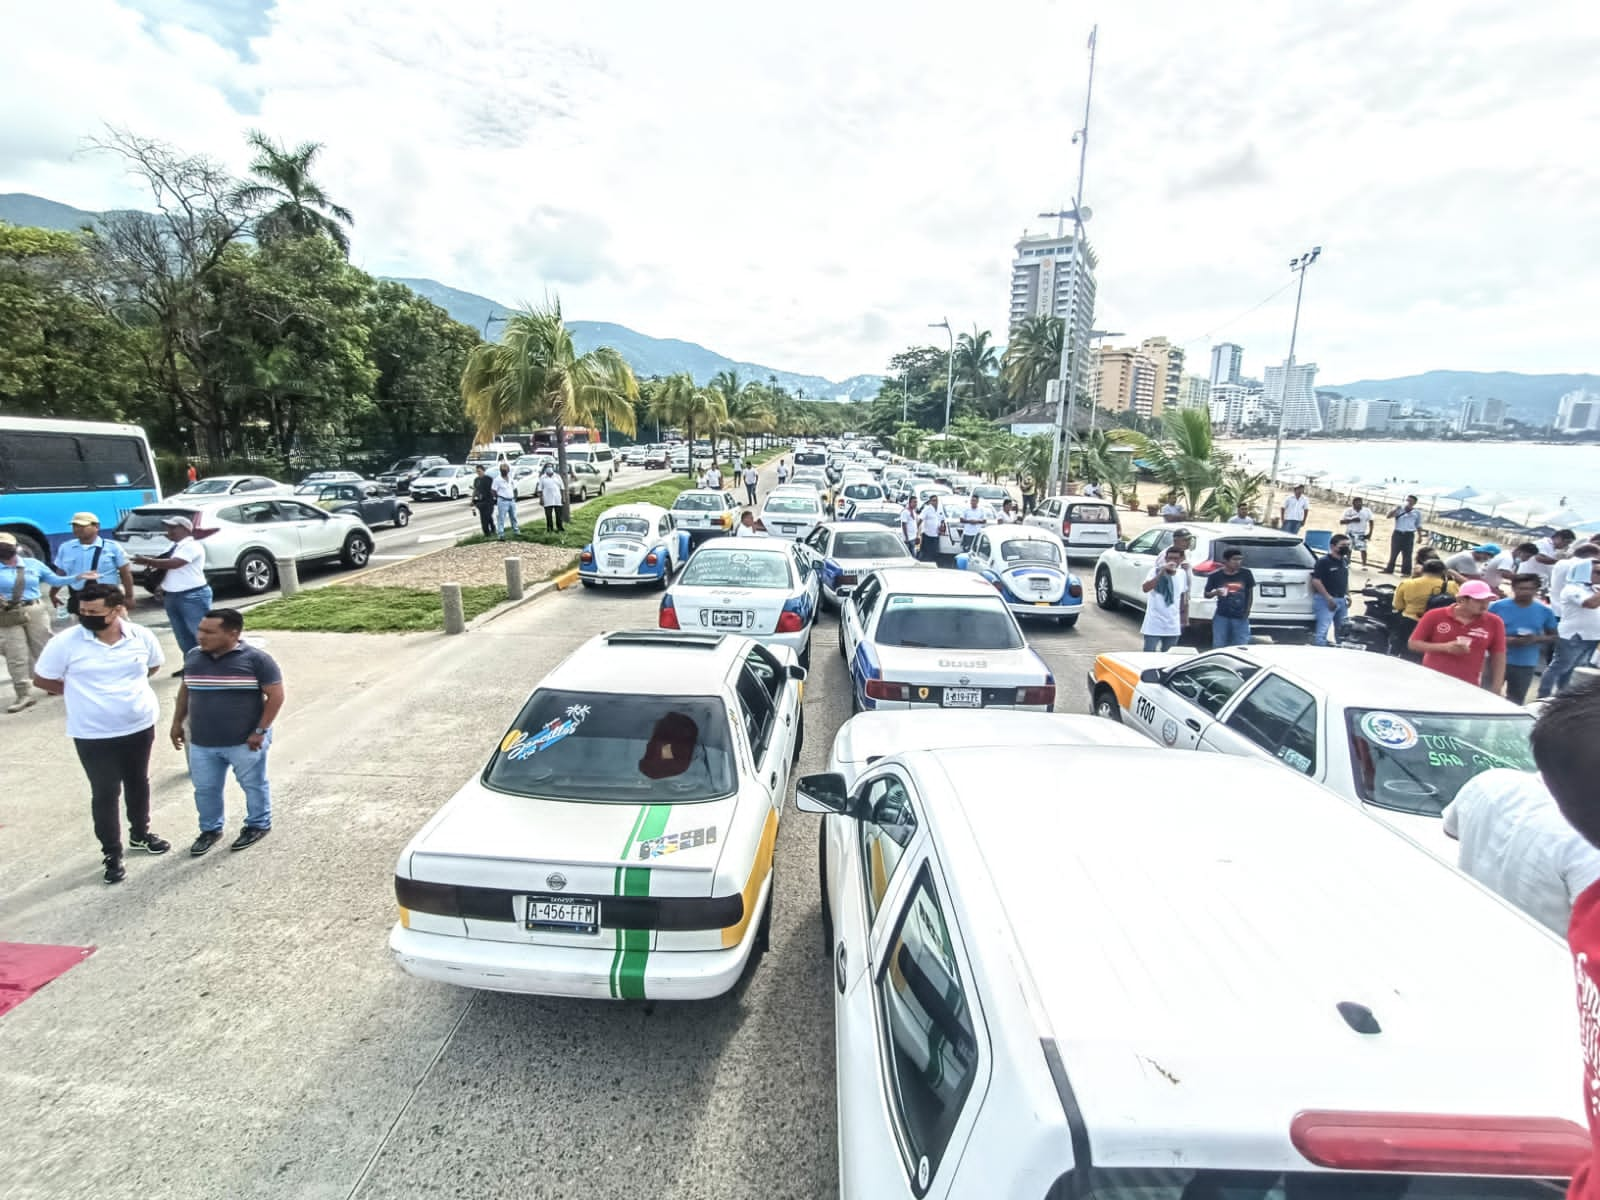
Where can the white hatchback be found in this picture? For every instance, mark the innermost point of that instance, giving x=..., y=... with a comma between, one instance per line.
x=633, y=543
x=792, y=511
x=761, y=587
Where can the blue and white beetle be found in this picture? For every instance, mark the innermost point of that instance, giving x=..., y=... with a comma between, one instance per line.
x=1028, y=566
x=634, y=543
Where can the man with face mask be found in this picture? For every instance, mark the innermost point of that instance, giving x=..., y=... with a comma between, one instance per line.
x=1330, y=586
x=505, y=497
x=24, y=617
x=102, y=668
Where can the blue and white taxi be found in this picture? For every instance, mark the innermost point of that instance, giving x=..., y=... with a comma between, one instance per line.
x=633, y=543
x=704, y=513
x=1028, y=567
x=618, y=844
x=845, y=551
x=1388, y=735
x=1037, y=993
x=762, y=587
x=914, y=637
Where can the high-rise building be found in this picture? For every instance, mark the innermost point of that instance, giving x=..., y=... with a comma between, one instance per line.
x=1168, y=362
x=1347, y=414
x=1042, y=284
x=1194, y=392
x=1298, y=400
x=1124, y=380
x=1226, y=358
x=1480, y=414
x=1578, y=412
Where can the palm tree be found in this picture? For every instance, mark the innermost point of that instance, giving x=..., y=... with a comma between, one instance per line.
x=976, y=366
x=1183, y=457
x=1032, y=358
x=748, y=412
x=1033, y=466
x=534, y=375
x=907, y=439
x=1237, y=486
x=292, y=203
x=684, y=403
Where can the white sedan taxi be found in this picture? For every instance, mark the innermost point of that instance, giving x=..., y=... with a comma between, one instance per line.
x=618, y=845
x=633, y=543
x=792, y=511
x=1391, y=736
x=704, y=513
x=845, y=551
x=1028, y=567
x=920, y=638
x=761, y=587
x=1040, y=994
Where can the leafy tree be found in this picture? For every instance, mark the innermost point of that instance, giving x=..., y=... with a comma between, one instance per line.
x=1033, y=466
x=684, y=403
x=1183, y=457
x=290, y=201
x=419, y=353
x=1032, y=359
x=976, y=370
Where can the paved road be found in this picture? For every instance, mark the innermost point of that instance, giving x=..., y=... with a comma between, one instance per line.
x=240, y=1030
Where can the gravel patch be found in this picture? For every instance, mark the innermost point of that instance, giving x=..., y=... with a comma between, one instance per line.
x=470, y=565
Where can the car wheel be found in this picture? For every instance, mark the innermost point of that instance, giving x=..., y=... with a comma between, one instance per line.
x=402, y=517
x=666, y=576
x=1105, y=704
x=588, y=583
x=1067, y=622
x=256, y=571
x=357, y=550
x=28, y=546
x=1103, y=595
x=763, y=941
x=822, y=875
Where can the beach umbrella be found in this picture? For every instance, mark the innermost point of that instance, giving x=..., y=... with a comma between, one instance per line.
x=1562, y=518
x=1583, y=527
x=1489, y=501
x=1464, y=516
x=1461, y=493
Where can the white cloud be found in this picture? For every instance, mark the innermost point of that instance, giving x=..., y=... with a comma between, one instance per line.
x=809, y=187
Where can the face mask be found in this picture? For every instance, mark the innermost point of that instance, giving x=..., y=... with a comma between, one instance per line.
x=94, y=622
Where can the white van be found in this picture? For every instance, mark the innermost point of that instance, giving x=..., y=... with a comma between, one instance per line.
x=597, y=454
x=492, y=454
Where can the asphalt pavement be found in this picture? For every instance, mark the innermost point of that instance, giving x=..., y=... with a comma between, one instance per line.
x=241, y=1031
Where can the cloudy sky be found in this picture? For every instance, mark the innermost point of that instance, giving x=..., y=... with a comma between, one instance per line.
x=807, y=186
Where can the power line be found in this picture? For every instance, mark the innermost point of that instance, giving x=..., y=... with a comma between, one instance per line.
x=1235, y=320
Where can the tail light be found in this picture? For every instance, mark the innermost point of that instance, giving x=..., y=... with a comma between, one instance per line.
x=439, y=899
x=882, y=689
x=669, y=614
x=651, y=559
x=1075, y=590
x=1547, y=1147
x=727, y=520
x=789, y=622
x=1066, y=530
x=1045, y=695
x=586, y=556
x=848, y=580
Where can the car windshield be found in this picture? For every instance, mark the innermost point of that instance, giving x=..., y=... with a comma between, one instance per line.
x=710, y=567
x=992, y=493
x=791, y=504
x=616, y=748
x=701, y=502
x=1183, y=1183
x=209, y=487
x=1416, y=762
x=1031, y=550
x=405, y=464
x=438, y=472
x=856, y=543
x=947, y=623
x=863, y=491
x=636, y=527
x=1267, y=554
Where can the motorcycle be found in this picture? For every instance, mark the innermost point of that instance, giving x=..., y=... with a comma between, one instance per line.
x=1370, y=630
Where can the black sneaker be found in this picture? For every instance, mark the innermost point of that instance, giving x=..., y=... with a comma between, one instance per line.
x=149, y=843
x=249, y=836
x=207, y=839
x=178, y=674
x=114, y=869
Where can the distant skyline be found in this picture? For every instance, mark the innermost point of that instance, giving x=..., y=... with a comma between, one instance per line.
x=811, y=187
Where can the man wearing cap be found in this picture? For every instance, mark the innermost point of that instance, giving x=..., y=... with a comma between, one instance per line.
x=1407, y=520
x=1457, y=640
x=1470, y=564
x=90, y=554
x=184, y=591
x=24, y=618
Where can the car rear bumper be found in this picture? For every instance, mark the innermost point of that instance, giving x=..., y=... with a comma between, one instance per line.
x=1031, y=609
x=619, y=577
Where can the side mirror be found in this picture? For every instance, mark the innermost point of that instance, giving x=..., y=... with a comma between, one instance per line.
x=961, y=561
x=797, y=673
x=1150, y=675
x=1120, y=545
x=823, y=793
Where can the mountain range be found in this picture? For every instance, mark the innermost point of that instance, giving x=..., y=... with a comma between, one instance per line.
x=1530, y=398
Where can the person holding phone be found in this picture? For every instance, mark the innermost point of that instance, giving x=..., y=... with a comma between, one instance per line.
x=1330, y=587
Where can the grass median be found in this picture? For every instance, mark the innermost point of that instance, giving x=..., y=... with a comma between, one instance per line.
x=358, y=609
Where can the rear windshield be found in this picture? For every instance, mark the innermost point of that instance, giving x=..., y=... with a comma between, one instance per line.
x=735, y=568
x=1157, y=1183
x=1278, y=554
x=987, y=492
x=888, y=517
x=947, y=623
x=615, y=748
x=860, y=544
x=863, y=491
x=150, y=522
x=689, y=502
x=791, y=504
x=623, y=527
x=1031, y=550
x=808, y=458
x=1417, y=762
x=1091, y=514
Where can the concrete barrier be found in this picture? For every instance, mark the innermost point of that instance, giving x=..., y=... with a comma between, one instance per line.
x=513, y=579
x=567, y=578
x=455, y=620
x=288, y=576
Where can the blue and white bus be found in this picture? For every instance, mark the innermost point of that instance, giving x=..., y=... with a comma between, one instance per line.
x=51, y=469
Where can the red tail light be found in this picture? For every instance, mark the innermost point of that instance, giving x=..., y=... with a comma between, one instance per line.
x=1066, y=530
x=789, y=622
x=1045, y=695
x=669, y=619
x=1439, y=1144
x=585, y=557
x=1075, y=590
x=650, y=560
x=882, y=689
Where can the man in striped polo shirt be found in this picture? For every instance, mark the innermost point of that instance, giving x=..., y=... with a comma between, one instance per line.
x=230, y=696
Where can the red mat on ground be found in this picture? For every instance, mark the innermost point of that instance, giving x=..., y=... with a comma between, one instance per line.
x=25, y=968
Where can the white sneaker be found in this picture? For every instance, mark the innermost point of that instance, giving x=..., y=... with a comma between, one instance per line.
x=22, y=703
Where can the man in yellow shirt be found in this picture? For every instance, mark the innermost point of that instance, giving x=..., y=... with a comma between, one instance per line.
x=1411, y=598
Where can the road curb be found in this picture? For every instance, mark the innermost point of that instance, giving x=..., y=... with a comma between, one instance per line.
x=566, y=579
x=500, y=610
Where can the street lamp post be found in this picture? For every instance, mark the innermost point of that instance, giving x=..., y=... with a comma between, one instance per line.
x=488, y=321
x=1297, y=265
x=905, y=394
x=949, y=369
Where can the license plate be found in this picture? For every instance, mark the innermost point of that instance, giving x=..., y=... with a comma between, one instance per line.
x=1272, y=589
x=564, y=913
x=1039, y=585
x=787, y=528
x=963, y=698
x=615, y=560
x=1041, y=604
x=727, y=620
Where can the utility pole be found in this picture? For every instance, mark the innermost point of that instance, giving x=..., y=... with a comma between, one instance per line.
x=1297, y=265
x=949, y=369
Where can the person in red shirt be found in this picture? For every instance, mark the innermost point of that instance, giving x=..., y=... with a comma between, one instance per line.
x=1457, y=639
x=1568, y=757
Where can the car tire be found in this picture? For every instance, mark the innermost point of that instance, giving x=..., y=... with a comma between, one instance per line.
x=28, y=547
x=805, y=655
x=799, y=736
x=822, y=876
x=402, y=517
x=763, y=941
x=1104, y=596
x=256, y=572
x=1105, y=704
x=455, y=493
x=1067, y=622
x=588, y=583
x=666, y=576
x=357, y=550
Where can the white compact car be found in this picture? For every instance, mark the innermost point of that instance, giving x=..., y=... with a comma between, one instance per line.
x=1087, y=527
x=855, y=490
x=878, y=512
x=1028, y=567
x=443, y=483
x=761, y=587
x=618, y=845
x=1389, y=735
x=244, y=537
x=918, y=638
x=633, y=543
x=1049, y=983
x=845, y=551
x=792, y=511
x=1280, y=563
x=704, y=512
x=232, y=485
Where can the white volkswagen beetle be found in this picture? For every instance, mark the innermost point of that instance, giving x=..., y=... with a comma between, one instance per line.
x=634, y=543
x=1028, y=567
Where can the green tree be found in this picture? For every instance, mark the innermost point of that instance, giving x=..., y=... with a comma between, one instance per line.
x=1183, y=456
x=977, y=368
x=684, y=403
x=290, y=202
x=419, y=353
x=1033, y=466
x=1032, y=359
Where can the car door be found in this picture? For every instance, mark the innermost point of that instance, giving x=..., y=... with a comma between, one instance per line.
x=762, y=666
x=815, y=546
x=810, y=576
x=316, y=535
x=265, y=524
x=377, y=506
x=855, y=615
x=1177, y=710
x=1277, y=719
x=1130, y=567
x=762, y=729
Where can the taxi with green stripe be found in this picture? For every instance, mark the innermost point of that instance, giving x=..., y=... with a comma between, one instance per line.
x=618, y=844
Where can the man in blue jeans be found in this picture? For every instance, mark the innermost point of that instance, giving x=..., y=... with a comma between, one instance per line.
x=1578, y=633
x=185, y=594
x=1330, y=591
x=231, y=695
x=1234, y=590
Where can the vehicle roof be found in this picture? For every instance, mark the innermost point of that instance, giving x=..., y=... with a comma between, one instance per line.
x=1216, y=529
x=871, y=735
x=756, y=545
x=1022, y=533
x=857, y=527
x=653, y=512
x=1374, y=680
x=661, y=666
x=1188, y=954
x=924, y=582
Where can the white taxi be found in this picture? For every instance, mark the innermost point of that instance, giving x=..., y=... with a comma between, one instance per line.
x=761, y=587
x=633, y=543
x=1028, y=567
x=845, y=551
x=919, y=638
x=704, y=513
x=792, y=511
x=1392, y=736
x=1040, y=993
x=618, y=845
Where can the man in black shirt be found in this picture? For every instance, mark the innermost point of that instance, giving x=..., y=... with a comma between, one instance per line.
x=1330, y=587
x=483, y=500
x=1234, y=590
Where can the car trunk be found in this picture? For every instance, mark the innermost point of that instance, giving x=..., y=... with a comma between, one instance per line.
x=1089, y=526
x=750, y=611
x=1035, y=583
x=960, y=678
x=618, y=555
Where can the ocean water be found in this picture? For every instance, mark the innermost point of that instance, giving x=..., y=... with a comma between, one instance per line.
x=1517, y=479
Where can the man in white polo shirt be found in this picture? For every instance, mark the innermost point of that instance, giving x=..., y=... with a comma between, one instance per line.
x=932, y=522
x=102, y=666
x=184, y=591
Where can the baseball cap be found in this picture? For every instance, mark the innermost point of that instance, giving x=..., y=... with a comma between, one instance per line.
x=1476, y=589
x=180, y=522
x=85, y=518
x=1486, y=548
x=7, y=539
